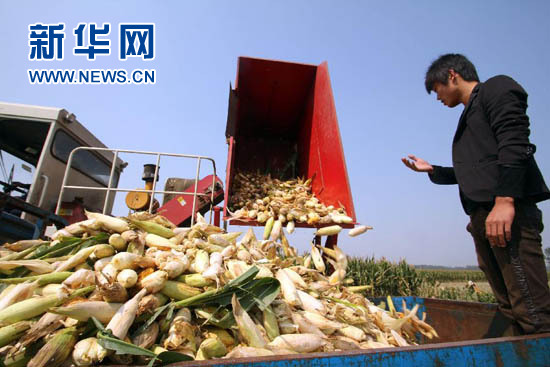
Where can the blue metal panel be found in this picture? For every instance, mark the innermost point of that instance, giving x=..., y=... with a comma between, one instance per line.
x=532, y=351
x=410, y=302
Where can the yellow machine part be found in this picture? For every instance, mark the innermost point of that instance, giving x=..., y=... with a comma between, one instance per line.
x=139, y=200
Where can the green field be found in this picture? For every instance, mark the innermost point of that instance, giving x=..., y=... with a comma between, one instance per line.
x=402, y=279
x=445, y=275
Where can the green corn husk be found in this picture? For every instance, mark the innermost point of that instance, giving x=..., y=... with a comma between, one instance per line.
x=78, y=258
x=82, y=311
x=179, y=291
x=359, y=288
x=52, y=260
x=59, y=249
x=22, y=254
x=226, y=338
x=32, y=307
x=211, y=348
x=270, y=323
x=249, y=291
x=43, y=279
x=165, y=323
x=249, y=331
x=268, y=228
x=195, y=280
x=154, y=228
x=68, y=245
x=56, y=350
x=12, y=332
x=23, y=245
x=28, y=309
x=101, y=251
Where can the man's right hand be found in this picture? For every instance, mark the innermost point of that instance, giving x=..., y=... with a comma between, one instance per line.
x=417, y=164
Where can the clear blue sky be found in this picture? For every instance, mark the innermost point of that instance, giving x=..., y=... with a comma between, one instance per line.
x=377, y=54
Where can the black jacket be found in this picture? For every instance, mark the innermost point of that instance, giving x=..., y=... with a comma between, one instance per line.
x=492, y=155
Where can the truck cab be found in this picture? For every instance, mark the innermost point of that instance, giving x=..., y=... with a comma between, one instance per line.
x=39, y=140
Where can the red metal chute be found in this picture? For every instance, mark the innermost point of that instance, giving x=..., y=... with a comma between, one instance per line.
x=281, y=112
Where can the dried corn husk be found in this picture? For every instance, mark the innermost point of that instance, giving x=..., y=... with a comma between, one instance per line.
x=82, y=311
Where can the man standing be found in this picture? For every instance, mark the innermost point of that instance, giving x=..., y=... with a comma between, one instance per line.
x=499, y=184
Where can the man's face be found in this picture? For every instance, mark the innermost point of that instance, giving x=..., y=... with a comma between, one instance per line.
x=448, y=94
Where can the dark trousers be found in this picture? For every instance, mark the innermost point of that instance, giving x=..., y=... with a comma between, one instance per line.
x=517, y=272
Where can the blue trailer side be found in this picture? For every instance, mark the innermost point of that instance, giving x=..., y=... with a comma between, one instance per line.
x=532, y=351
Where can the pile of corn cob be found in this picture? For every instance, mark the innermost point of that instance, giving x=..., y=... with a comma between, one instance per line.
x=127, y=290
x=261, y=197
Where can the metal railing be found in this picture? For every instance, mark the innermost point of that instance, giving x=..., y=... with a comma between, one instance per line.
x=152, y=192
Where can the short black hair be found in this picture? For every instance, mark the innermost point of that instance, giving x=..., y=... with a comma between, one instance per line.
x=439, y=70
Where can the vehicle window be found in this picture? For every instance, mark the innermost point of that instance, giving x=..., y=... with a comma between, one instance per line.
x=84, y=161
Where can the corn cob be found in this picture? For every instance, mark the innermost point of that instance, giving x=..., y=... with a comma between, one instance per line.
x=118, y=242
x=178, y=290
x=88, y=352
x=32, y=307
x=195, y=280
x=358, y=230
x=80, y=278
x=110, y=223
x=153, y=228
x=153, y=240
x=76, y=259
x=288, y=288
x=243, y=351
x=155, y=281
x=82, y=311
x=268, y=227
x=317, y=259
x=328, y=231
x=124, y=317
x=301, y=343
